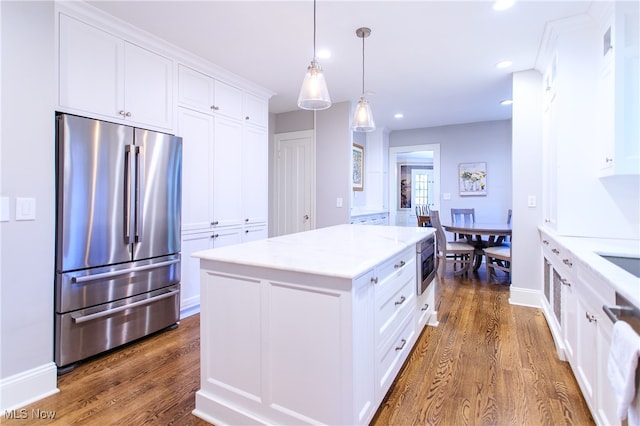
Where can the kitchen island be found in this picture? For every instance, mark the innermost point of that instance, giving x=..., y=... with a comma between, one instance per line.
x=308, y=328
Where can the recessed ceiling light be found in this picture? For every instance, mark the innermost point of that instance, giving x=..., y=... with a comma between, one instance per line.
x=506, y=102
x=503, y=4
x=324, y=54
x=398, y=115
x=504, y=64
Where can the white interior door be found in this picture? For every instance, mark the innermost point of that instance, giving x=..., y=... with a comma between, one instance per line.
x=295, y=182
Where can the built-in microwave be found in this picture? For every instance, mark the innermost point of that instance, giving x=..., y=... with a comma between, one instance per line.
x=426, y=263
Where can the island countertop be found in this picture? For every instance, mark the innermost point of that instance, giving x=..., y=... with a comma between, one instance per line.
x=343, y=251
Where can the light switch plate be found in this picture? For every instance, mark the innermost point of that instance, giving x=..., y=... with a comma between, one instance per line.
x=25, y=208
x=531, y=201
x=5, y=216
x=339, y=202
x=446, y=196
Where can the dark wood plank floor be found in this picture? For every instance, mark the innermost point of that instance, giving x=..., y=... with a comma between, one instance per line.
x=488, y=363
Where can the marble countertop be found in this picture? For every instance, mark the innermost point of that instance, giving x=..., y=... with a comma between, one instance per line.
x=344, y=251
x=588, y=251
x=355, y=212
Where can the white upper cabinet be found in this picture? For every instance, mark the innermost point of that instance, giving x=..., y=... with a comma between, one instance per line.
x=619, y=89
x=104, y=76
x=206, y=94
x=256, y=110
x=255, y=189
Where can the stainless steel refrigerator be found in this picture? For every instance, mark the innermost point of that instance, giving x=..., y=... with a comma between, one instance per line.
x=118, y=206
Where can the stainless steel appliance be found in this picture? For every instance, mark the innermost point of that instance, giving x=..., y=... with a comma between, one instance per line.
x=118, y=206
x=426, y=263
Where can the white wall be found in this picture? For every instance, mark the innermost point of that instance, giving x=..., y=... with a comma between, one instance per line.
x=333, y=164
x=27, y=170
x=526, y=275
x=488, y=142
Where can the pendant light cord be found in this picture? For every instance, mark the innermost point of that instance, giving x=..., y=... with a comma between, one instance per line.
x=314, y=30
x=363, y=65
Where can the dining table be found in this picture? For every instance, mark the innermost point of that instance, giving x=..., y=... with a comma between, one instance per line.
x=474, y=232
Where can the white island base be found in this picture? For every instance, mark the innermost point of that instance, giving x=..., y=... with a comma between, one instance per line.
x=308, y=328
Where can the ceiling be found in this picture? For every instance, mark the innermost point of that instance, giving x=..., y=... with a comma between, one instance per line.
x=433, y=61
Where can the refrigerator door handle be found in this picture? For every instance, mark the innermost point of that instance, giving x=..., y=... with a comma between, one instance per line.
x=139, y=214
x=78, y=319
x=78, y=280
x=127, y=194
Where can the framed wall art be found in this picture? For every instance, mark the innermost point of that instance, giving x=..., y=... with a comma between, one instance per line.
x=358, y=167
x=472, y=178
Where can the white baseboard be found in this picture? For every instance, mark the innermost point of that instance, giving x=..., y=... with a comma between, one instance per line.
x=524, y=297
x=27, y=387
x=187, y=311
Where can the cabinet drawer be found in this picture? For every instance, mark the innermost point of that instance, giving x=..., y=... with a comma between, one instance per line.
x=398, y=268
x=392, y=307
x=562, y=259
x=390, y=357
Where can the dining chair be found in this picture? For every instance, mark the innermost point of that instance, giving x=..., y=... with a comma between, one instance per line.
x=498, y=257
x=422, y=213
x=502, y=240
x=462, y=215
x=455, y=252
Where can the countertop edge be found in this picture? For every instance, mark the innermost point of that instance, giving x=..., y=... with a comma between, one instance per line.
x=586, y=250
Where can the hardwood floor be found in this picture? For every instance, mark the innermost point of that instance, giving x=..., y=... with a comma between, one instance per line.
x=487, y=363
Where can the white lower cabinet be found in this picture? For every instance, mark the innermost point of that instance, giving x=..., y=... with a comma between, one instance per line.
x=580, y=328
x=190, y=270
x=285, y=347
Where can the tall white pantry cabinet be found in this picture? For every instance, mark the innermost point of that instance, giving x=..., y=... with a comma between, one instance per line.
x=225, y=189
x=109, y=71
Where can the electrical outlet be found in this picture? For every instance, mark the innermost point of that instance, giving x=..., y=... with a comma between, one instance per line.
x=531, y=201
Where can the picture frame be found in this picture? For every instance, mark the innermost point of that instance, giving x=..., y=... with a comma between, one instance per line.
x=472, y=179
x=358, y=167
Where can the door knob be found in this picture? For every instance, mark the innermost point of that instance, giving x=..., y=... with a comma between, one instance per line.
x=306, y=217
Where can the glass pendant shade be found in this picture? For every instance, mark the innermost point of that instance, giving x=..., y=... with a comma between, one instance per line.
x=362, y=117
x=314, y=94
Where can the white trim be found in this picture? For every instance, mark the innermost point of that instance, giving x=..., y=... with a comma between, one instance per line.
x=29, y=386
x=524, y=297
x=393, y=175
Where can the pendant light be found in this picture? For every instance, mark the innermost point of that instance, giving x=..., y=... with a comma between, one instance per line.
x=314, y=94
x=362, y=117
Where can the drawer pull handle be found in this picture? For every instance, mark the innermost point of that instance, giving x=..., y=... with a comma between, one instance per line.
x=567, y=262
x=425, y=307
x=555, y=251
x=374, y=280
x=401, y=301
x=565, y=282
x=546, y=242
x=399, y=265
x=591, y=317
x=402, y=343
x=214, y=223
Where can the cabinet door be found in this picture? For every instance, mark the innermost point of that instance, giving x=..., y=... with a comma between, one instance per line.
x=586, y=352
x=227, y=236
x=227, y=100
x=195, y=90
x=254, y=233
x=148, y=87
x=255, y=154
x=227, y=173
x=91, y=69
x=190, y=268
x=196, y=130
x=256, y=110
x=569, y=319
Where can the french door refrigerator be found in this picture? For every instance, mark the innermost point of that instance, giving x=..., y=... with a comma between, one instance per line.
x=118, y=206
